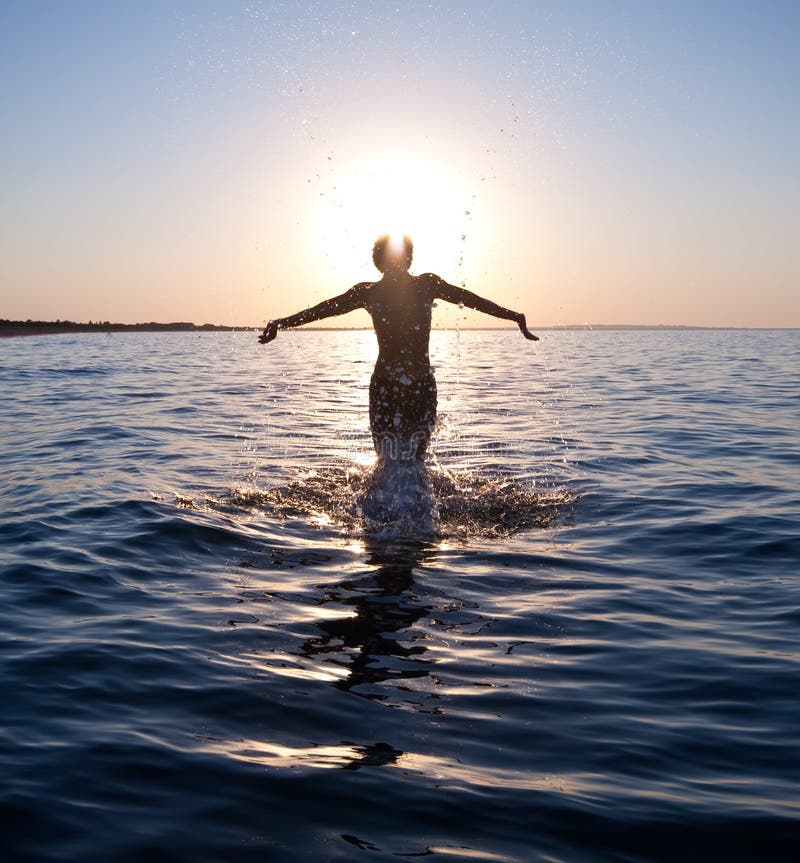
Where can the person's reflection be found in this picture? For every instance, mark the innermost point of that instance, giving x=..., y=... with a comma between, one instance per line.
x=384, y=605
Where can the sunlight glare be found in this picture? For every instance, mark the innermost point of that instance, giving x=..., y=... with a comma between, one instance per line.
x=396, y=195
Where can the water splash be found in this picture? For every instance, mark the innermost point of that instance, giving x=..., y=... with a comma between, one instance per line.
x=397, y=500
x=407, y=500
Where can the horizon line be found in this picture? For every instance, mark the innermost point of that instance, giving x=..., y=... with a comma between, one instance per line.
x=188, y=326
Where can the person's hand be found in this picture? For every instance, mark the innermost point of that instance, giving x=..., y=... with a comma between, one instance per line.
x=524, y=329
x=270, y=331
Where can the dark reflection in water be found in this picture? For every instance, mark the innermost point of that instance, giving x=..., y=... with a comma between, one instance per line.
x=377, y=642
x=374, y=755
x=369, y=642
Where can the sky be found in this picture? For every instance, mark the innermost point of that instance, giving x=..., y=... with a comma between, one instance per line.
x=230, y=162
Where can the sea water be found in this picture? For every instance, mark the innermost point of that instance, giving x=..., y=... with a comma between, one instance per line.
x=585, y=648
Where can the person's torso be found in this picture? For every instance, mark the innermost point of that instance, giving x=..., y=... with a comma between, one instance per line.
x=400, y=308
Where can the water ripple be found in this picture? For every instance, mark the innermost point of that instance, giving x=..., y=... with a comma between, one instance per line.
x=214, y=650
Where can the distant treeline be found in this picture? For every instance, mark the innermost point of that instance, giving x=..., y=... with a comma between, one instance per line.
x=29, y=327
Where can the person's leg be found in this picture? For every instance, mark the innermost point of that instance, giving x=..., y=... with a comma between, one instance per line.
x=402, y=417
x=420, y=417
x=382, y=411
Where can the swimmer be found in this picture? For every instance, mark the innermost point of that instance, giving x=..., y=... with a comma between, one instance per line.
x=402, y=392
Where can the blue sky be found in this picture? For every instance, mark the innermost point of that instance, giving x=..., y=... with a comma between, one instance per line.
x=619, y=162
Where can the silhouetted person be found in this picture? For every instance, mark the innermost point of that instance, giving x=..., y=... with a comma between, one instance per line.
x=402, y=392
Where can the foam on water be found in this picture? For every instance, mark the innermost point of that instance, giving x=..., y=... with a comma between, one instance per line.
x=405, y=500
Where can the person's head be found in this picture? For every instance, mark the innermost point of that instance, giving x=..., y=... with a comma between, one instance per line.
x=392, y=252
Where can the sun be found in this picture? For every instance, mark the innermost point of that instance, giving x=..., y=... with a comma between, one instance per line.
x=394, y=194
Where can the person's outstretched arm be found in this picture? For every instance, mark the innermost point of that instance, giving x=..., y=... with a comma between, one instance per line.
x=452, y=294
x=346, y=302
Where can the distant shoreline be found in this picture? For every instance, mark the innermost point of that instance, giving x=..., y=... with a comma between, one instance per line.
x=10, y=329
x=56, y=328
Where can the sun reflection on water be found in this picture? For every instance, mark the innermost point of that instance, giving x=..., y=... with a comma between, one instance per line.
x=353, y=756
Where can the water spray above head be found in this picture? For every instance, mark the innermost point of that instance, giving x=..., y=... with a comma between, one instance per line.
x=392, y=252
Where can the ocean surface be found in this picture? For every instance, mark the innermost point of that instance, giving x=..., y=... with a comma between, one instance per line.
x=574, y=640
